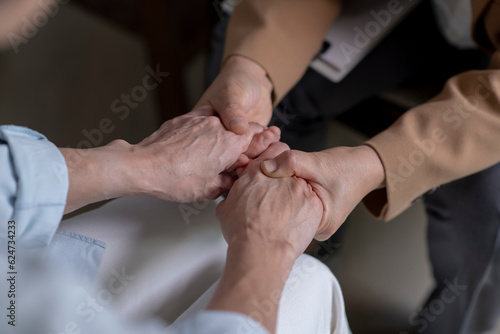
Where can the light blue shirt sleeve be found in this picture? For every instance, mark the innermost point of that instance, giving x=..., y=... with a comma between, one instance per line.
x=33, y=190
x=33, y=185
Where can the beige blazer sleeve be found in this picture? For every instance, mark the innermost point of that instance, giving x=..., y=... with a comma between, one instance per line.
x=453, y=135
x=283, y=36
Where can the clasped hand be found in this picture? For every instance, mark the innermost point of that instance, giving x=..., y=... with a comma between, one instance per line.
x=204, y=164
x=193, y=157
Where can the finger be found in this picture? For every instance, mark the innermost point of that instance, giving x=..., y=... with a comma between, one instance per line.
x=236, y=145
x=241, y=170
x=242, y=143
x=273, y=151
x=275, y=129
x=203, y=111
x=254, y=129
x=242, y=161
x=234, y=118
x=261, y=142
x=290, y=163
x=223, y=182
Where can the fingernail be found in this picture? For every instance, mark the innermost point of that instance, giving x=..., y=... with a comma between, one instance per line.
x=237, y=123
x=270, y=165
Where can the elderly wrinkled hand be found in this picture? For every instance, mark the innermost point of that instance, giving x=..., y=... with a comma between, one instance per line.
x=270, y=212
x=187, y=158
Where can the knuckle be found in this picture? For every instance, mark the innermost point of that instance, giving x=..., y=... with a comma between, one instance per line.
x=268, y=136
x=290, y=157
x=329, y=231
x=119, y=143
x=212, y=121
x=280, y=147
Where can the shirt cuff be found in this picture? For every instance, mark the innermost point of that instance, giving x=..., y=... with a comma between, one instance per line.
x=217, y=322
x=41, y=177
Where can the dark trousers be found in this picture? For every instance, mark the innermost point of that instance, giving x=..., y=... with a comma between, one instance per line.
x=463, y=216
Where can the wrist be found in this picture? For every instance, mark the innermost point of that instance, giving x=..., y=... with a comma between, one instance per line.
x=253, y=276
x=375, y=168
x=140, y=173
x=257, y=251
x=99, y=174
x=250, y=68
x=360, y=166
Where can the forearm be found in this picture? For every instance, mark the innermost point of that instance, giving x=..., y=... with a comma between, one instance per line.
x=282, y=36
x=253, y=281
x=453, y=135
x=101, y=173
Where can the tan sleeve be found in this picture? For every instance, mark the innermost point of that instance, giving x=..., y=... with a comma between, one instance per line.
x=454, y=135
x=283, y=36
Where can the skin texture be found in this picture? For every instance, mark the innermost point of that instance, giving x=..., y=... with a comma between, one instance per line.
x=191, y=157
x=263, y=241
x=240, y=94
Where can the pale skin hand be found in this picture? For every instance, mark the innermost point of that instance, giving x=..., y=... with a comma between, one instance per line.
x=267, y=223
x=184, y=161
x=240, y=94
x=340, y=176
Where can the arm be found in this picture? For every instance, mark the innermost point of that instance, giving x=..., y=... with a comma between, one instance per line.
x=33, y=186
x=453, y=135
x=456, y=133
x=253, y=281
x=269, y=46
x=263, y=241
x=282, y=36
x=184, y=161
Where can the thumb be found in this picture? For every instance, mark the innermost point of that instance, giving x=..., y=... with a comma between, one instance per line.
x=289, y=163
x=234, y=118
